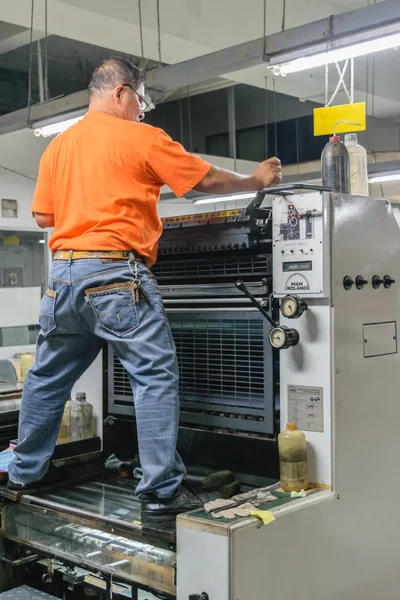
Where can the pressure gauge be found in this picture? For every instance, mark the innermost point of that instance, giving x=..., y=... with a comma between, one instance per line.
x=292, y=307
x=282, y=337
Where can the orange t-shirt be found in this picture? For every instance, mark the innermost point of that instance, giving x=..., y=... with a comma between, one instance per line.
x=101, y=180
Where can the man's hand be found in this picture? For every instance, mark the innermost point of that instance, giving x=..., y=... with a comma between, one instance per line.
x=269, y=172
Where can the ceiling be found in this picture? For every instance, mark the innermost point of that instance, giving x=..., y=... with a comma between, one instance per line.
x=81, y=32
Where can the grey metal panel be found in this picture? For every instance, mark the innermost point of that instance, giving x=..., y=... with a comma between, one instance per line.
x=352, y=541
x=203, y=562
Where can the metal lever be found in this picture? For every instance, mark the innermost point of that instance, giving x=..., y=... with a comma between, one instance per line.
x=242, y=287
x=284, y=190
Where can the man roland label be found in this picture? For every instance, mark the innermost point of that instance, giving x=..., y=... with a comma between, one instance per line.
x=297, y=283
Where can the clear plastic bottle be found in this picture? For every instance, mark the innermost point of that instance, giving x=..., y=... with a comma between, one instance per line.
x=81, y=418
x=26, y=363
x=358, y=166
x=293, y=459
x=64, y=435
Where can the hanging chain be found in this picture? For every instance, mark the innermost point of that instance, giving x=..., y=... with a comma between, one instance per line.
x=326, y=84
x=341, y=83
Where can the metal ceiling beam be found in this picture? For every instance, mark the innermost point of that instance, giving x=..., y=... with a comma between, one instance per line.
x=50, y=111
x=20, y=39
x=228, y=60
x=250, y=54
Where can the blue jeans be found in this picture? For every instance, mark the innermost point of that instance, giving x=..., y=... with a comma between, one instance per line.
x=89, y=303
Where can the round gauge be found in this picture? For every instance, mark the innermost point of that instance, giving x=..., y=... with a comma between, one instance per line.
x=277, y=338
x=292, y=307
x=282, y=337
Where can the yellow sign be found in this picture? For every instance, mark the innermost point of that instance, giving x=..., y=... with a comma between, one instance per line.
x=326, y=118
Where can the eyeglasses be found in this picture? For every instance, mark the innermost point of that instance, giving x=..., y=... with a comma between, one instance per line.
x=144, y=106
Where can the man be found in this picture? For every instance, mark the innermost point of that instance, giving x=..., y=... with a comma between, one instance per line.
x=98, y=186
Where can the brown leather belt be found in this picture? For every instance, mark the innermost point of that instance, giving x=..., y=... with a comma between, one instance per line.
x=109, y=254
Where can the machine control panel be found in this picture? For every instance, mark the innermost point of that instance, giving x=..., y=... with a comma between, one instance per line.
x=298, y=249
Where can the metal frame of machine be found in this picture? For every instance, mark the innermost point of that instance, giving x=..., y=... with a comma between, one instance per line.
x=340, y=541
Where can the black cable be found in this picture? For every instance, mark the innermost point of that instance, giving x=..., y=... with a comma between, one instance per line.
x=189, y=121
x=181, y=117
x=265, y=26
x=30, y=62
x=141, y=32
x=46, y=57
x=284, y=15
x=159, y=31
x=275, y=122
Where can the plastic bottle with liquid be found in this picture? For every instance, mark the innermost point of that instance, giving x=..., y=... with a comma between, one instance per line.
x=26, y=362
x=358, y=165
x=335, y=166
x=81, y=412
x=293, y=459
x=64, y=435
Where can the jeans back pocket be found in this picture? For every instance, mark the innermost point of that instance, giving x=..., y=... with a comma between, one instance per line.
x=47, y=320
x=114, y=306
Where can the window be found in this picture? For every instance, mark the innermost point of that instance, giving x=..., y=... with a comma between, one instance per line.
x=23, y=262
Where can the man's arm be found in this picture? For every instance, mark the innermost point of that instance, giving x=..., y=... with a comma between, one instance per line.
x=221, y=181
x=43, y=201
x=43, y=220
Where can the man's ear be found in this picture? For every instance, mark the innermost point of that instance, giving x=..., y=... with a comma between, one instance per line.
x=117, y=93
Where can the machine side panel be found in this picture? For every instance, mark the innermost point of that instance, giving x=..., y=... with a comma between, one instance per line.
x=202, y=562
x=308, y=366
x=346, y=548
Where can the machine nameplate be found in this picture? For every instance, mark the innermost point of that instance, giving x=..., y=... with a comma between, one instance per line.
x=305, y=406
x=298, y=246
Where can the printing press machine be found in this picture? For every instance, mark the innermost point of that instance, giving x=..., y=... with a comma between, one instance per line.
x=285, y=311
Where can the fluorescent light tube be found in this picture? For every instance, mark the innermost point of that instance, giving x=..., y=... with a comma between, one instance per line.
x=55, y=128
x=384, y=178
x=336, y=55
x=211, y=200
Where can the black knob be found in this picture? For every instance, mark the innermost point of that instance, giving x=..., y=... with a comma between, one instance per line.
x=202, y=596
x=360, y=282
x=376, y=282
x=388, y=281
x=348, y=282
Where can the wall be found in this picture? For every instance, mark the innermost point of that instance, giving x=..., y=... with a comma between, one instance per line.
x=17, y=187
